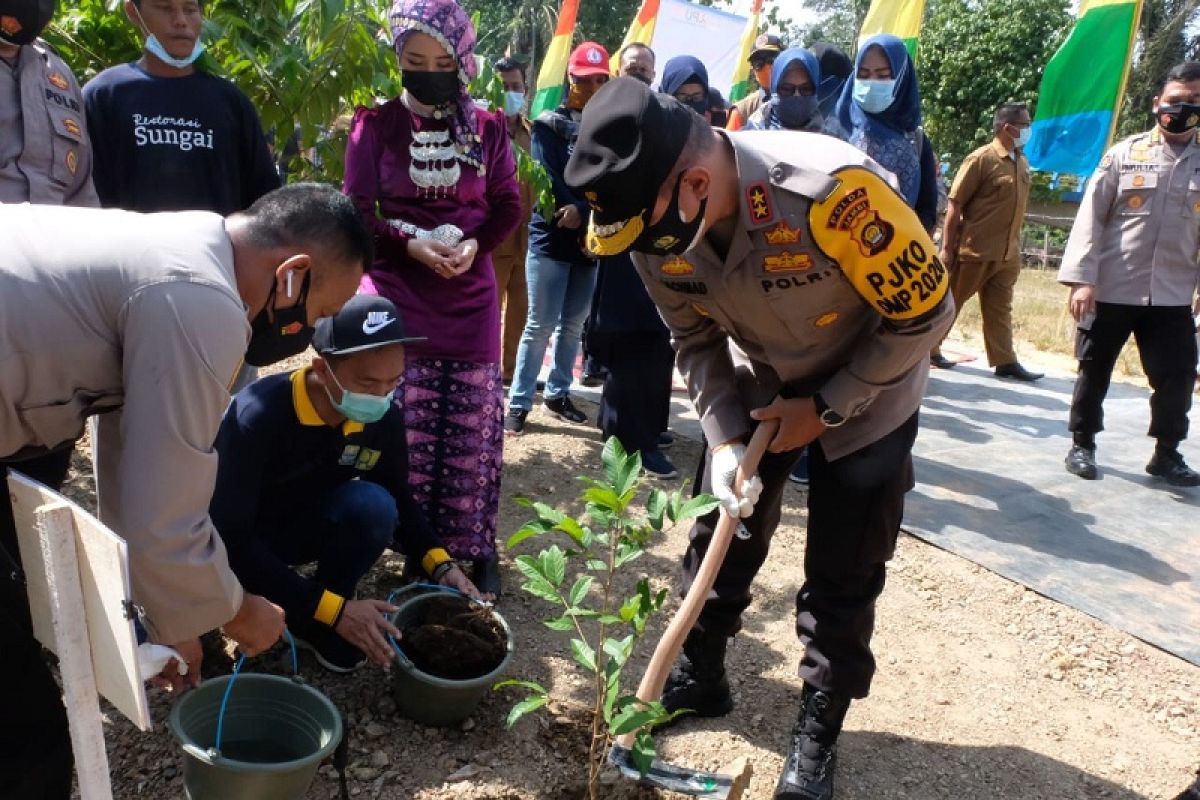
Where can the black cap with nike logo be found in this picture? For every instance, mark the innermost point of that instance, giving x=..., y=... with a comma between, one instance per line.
x=367, y=321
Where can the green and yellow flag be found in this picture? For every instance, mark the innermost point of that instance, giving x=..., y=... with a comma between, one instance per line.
x=641, y=30
x=554, y=66
x=1082, y=87
x=743, y=82
x=901, y=18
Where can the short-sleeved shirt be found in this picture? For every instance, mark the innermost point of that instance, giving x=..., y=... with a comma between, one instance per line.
x=174, y=144
x=992, y=188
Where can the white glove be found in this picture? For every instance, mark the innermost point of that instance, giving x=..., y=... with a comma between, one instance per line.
x=725, y=462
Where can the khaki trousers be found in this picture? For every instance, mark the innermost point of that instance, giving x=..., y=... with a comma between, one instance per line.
x=993, y=281
x=514, y=306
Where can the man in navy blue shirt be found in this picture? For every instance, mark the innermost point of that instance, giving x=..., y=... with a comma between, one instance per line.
x=168, y=136
x=314, y=467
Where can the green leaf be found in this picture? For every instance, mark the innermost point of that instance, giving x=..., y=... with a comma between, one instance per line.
x=656, y=508
x=527, y=531
x=631, y=718
x=597, y=564
x=554, y=565
x=626, y=552
x=530, y=567
x=613, y=457
x=698, y=506
x=540, y=587
x=619, y=649
x=609, y=619
x=573, y=529
x=580, y=590
x=584, y=654
x=562, y=623
x=537, y=687
x=524, y=707
x=643, y=752
x=603, y=498
x=630, y=609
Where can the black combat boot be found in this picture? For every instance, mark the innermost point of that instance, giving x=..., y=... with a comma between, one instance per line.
x=697, y=680
x=808, y=771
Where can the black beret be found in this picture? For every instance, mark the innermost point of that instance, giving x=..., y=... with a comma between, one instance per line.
x=629, y=141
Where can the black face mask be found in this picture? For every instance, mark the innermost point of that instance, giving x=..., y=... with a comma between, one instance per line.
x=671, y=235
x=1178, y=117
x=431, y=88
x=720, y=119
x=31, y=15
x=699, y=106
x=796, y=111
x=287, y=336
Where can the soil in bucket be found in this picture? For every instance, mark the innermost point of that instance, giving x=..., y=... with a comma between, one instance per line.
x=453, y=638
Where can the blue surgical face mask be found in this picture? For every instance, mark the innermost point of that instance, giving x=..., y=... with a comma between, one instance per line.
x=357, y=406
x=1023, y=137
x=875, y=96
x=514, y=103
x=156, y=49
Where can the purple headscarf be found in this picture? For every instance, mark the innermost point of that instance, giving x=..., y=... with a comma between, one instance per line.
x=446, y=22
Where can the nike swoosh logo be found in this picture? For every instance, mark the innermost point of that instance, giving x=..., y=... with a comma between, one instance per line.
x=370, y=329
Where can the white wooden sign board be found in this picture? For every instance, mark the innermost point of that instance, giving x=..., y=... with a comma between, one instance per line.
x=102, y=568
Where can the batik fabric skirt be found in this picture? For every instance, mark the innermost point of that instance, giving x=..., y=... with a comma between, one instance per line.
x=454, y=412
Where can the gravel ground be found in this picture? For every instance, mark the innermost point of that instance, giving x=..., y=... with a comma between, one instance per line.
x=985, y=689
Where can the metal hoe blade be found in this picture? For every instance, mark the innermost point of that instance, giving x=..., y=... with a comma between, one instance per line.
x=669, y=777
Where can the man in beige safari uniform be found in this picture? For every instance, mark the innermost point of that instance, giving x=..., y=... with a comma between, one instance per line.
x=798, y=286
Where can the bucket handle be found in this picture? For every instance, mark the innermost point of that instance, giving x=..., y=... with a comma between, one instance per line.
x=215, y=750
x=428, y=587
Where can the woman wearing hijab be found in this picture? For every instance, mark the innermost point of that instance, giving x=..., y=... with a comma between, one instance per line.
x=794, y=104
x=836, y=67
x=879, y=112
x=686, y=79
x=433, y=175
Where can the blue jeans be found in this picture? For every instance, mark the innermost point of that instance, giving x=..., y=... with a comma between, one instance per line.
x=560, y=295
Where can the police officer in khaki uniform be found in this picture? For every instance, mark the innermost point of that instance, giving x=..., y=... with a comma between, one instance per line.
x=45, y=156
x=798, y=286
x=1131, y=263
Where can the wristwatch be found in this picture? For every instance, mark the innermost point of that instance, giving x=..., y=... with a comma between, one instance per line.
x=441, y=569
x=827, y=415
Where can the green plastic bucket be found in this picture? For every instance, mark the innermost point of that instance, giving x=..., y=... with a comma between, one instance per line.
x=276, y=732
x=429, y=699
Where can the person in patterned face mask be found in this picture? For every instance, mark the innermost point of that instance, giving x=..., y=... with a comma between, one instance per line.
x=433, y=175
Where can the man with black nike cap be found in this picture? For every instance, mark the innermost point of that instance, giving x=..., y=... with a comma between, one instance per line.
x=799, y=287
x=314, y=467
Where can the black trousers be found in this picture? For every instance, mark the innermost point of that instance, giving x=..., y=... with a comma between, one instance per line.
x=855, y=505
x=36, y=762
x=635, y=405
x=1166, y=343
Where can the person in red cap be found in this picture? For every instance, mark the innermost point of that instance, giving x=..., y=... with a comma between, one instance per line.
x=561, y=275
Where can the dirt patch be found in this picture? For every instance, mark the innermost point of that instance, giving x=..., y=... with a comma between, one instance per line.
x=452, y=638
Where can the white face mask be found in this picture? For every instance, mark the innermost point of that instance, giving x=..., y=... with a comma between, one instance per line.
x=1023, y=137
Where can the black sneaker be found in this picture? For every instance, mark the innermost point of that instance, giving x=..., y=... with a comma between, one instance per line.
x=331, y=651
x=1171, y=467
x=656, y=465
x=1081, y=461
x=812, y=757
x=939, y=361
x=564, y=409
x=514, y=420
x=665, y=440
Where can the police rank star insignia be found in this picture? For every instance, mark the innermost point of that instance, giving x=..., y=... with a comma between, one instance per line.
x=759, y=203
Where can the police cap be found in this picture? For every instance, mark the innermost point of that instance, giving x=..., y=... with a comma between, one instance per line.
x=629, y=140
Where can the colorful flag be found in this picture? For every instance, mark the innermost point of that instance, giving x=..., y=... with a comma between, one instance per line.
x=1082, y=88
x=901, y=18
x=554, y=65
x=641, y=30
x=743, y=81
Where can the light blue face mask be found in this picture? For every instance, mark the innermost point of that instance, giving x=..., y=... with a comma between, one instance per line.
x=514, y=103
x=874, y=96
x=357, y=406
x=156, y=49
x=1023, y=137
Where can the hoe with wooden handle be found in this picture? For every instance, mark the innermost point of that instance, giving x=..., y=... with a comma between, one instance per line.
x=721, y=786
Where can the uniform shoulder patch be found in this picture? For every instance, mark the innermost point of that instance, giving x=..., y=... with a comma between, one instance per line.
x=758, y=201
x=876, y=239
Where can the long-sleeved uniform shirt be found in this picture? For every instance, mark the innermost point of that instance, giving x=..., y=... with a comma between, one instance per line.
x=276, y=451
x=137, y=318
x=1137, y=234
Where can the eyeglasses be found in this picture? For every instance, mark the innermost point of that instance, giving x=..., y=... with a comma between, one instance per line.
x=760, y=62
x=689, y=99
x=790, y=90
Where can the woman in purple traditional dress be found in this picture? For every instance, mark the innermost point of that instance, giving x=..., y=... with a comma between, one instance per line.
x=434, y=177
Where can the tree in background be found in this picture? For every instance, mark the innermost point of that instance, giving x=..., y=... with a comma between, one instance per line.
x=1163, y=42
x=838, y=23
x=975, y=55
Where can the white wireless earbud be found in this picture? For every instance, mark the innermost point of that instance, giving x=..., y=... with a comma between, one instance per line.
x=288, y=285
